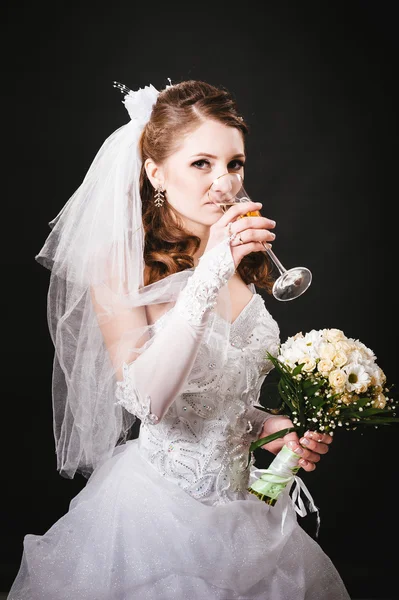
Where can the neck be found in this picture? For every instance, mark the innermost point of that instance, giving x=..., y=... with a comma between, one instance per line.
x=200, y=250
x=201, y=231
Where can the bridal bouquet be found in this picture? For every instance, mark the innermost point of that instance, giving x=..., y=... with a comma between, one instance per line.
x=325, y=380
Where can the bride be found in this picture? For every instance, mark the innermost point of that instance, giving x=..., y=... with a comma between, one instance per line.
x=154, y=314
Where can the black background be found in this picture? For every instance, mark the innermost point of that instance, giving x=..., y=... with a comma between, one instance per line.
x=315, y=81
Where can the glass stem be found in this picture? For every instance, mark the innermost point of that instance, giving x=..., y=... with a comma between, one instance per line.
x=276, y=261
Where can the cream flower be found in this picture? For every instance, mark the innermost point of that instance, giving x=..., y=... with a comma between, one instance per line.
x=309, y=363
x=349, y=398
x=377, y=376
x=380, y=401
x=311, y=342
x=344, y=345
x=324, y=366
x=337, y=379
x=364, y=349
x=290, y=357
x=334, y=335
x=340, y=359
x=297, y=336
x=356, y=356
x=327, y=350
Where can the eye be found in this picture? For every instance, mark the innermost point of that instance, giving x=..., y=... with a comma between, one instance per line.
x=201, y=164
x=235, y=164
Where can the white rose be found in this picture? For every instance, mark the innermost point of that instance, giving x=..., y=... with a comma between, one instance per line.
x=345, y=346
x=337, y=379
x=335, y=335
x=327, y=351
x=340, y=359
x=309, y=363
x=324, y=366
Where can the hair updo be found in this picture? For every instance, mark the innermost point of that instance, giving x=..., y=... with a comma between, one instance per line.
x=168, y=247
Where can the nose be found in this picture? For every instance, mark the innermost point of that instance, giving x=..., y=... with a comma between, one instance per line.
x=225, y=187
x=222, y=184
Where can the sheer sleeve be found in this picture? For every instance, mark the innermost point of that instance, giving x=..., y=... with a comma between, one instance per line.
x=151, y=378
x=258, y=418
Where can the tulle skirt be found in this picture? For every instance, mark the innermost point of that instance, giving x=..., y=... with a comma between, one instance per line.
x=130, y=534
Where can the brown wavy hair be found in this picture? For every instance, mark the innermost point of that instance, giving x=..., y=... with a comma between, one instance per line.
x=168, y=247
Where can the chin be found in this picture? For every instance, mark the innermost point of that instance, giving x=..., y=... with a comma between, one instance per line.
x=211, y=220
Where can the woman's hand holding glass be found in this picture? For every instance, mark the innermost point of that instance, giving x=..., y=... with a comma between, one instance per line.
x=227, y=191
x=247, y=233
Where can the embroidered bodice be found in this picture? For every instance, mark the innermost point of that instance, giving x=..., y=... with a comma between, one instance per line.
x=202, y=441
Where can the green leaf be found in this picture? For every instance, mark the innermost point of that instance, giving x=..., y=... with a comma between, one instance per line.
x=370, y=412
x=286, y=397
x=298, y=369
x=361, y=401
x=307, y=383
x=318, y=401
x=310, y=390
x=377, y=421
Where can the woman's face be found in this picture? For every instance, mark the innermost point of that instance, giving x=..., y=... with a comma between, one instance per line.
x=203, y=155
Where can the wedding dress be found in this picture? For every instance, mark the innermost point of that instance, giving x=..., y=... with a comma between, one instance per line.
x=168, y=515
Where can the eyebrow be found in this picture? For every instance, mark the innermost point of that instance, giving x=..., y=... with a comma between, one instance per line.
x=213, y=156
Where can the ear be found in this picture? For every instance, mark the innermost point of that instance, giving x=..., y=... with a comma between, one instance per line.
x=154, y=173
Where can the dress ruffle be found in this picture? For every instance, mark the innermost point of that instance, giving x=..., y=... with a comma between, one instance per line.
x=130, y=534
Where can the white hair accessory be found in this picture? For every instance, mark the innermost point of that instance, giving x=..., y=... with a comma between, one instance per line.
x=139, y=104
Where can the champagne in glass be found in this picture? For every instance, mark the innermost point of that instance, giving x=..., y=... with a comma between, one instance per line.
x=227, y=190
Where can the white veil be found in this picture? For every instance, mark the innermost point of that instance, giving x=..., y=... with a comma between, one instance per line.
x=95, y=254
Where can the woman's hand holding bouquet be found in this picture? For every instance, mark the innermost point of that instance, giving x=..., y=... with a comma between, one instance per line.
x=326, y=380
x=309, y=447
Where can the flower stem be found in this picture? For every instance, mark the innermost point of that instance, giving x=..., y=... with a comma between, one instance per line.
x=275, y=479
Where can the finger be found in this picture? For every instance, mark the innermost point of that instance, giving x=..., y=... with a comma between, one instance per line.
x=306, y=465
x=240, y=208
x=254, y=235
x=253, y=223
x=314, y=446
x=324, y=438
x=291, y=437
x=241, y=250
x=295, y=446
x=307, y=459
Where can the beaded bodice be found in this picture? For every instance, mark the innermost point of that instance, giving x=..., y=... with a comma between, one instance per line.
x=202, y=442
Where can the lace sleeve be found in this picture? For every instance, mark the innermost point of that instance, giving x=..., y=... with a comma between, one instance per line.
x=152, y=381
x=258, y=418
x=213, y=271
x=130, y=399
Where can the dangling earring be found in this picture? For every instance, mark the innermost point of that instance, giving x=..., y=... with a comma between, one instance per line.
x=159, y=196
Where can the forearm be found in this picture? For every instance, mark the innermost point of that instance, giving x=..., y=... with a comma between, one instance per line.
x=151, y=383
x=258, y=418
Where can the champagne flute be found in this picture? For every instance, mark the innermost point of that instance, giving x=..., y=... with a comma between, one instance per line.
x=227, y=190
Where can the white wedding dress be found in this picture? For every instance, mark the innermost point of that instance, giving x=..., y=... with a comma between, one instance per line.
x=168, y=516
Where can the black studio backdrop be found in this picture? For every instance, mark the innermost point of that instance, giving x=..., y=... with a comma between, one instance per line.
x=315, y=81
